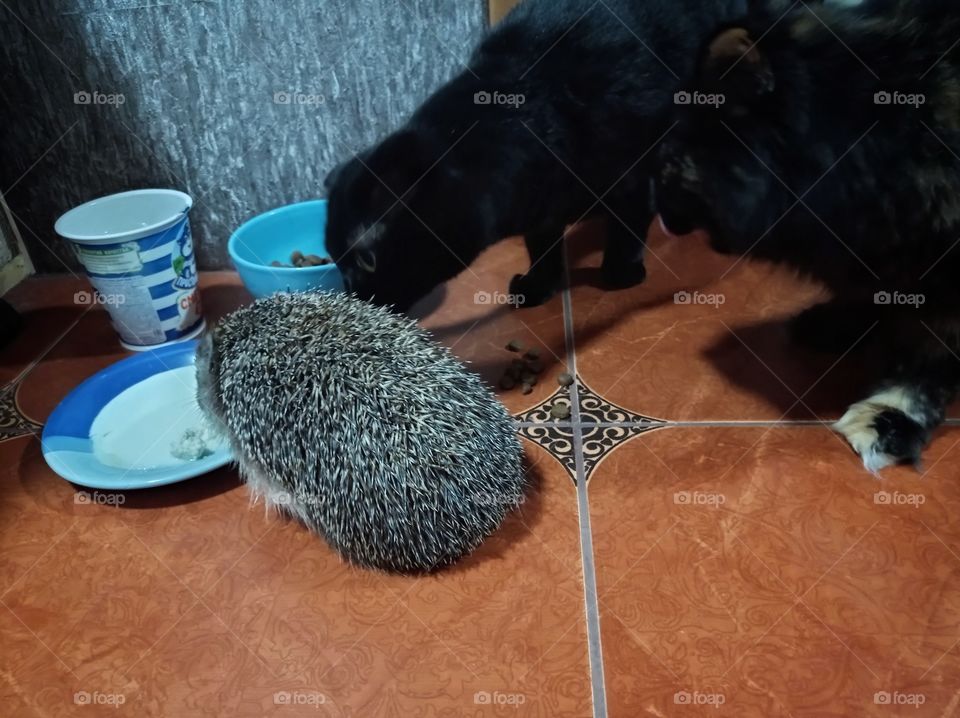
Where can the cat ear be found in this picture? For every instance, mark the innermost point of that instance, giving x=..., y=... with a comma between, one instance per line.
x=733, y=56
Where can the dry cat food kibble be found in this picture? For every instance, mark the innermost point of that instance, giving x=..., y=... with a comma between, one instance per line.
x=524, y=372
x=298, y=259
x=560, y=410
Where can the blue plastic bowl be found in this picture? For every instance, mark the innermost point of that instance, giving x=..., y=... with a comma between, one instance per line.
x=274, y=236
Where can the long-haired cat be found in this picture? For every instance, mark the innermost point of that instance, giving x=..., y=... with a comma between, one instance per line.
x=836, y=149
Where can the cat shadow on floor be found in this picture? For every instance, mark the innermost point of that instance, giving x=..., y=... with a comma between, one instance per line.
x=582, y=241
x=764, y=360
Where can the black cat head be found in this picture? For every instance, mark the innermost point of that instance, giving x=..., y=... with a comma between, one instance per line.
x=396, y=226
x=719, y=163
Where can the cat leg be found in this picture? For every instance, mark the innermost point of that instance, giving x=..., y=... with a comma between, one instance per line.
x=626, y=241
x=545, y=276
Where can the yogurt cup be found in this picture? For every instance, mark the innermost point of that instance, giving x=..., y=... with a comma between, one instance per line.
x=138, y=254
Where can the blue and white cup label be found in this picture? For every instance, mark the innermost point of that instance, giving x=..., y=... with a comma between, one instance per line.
x=149, y=285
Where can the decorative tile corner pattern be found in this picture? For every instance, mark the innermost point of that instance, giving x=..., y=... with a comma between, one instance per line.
x=540, y=414
x=599, y=441
x=594, y=408
x=605, y=426
x=557, y=439
x=12, y=422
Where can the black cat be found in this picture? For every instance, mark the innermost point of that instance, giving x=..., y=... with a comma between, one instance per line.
x=830, y=139
x=554, y=120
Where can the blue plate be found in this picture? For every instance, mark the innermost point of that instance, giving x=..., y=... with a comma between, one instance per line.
x=157, y=381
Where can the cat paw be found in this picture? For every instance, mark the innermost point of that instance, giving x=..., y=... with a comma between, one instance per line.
x=882, y=431
x=531, y=290
x=623, y=275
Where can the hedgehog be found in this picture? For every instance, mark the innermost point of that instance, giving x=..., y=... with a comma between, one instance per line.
x=351, y=419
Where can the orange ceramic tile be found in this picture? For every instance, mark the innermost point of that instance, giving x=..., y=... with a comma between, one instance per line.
x=202, y=668
x=48, y=307
x=467, y=315
x=763, y=572
x=730, y=359
x=98, y=600
x=506, y=624
x=197, y=529
x=37, y=509
x=91, y=580
x=35, y=683
x=741, y=570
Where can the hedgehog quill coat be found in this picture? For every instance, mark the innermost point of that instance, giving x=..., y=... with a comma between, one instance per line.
x=351, y=419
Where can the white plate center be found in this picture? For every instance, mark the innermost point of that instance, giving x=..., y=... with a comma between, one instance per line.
x=143, y=427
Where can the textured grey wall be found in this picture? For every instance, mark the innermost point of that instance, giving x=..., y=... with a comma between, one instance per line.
x=200, y=111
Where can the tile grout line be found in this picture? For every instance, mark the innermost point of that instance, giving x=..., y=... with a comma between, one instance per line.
x=591, y=600
x=666, y=424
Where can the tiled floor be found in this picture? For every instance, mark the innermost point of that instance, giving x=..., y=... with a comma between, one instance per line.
x=699, y=543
